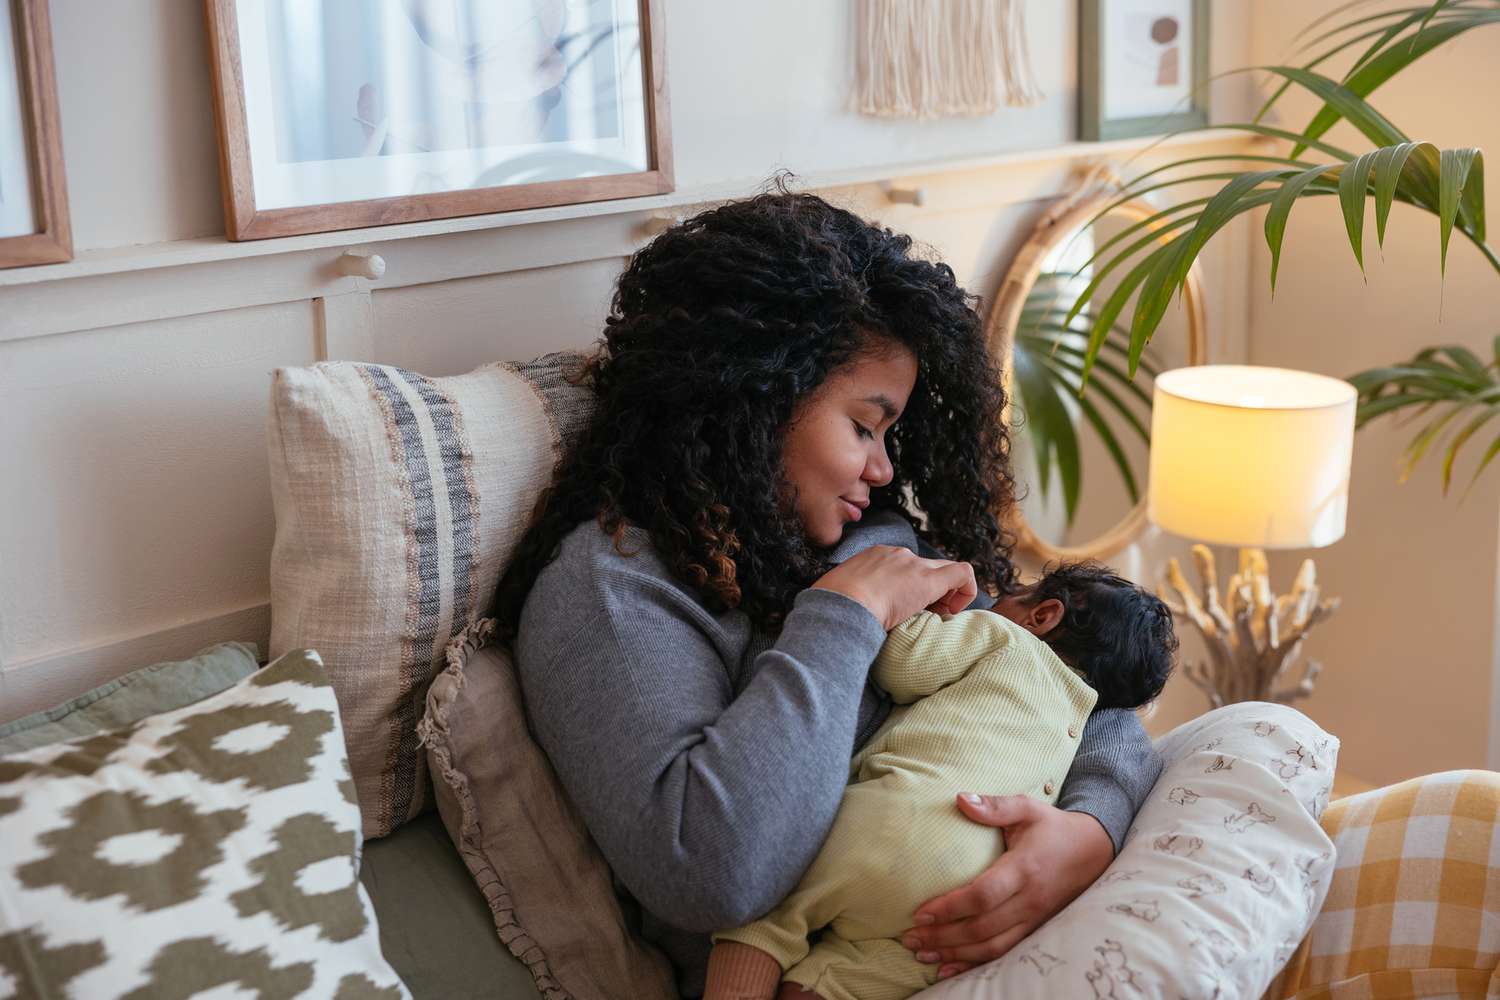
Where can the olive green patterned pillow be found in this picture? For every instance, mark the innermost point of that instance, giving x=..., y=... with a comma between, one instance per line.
x=211, y=848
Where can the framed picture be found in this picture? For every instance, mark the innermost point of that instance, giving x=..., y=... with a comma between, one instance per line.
x=338, y=115
x=33, y=196
x=1142, y=67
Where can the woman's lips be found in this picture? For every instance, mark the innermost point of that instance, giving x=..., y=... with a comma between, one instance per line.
x=854, y=512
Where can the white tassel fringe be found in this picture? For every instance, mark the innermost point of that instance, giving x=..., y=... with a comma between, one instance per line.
x=928, y=58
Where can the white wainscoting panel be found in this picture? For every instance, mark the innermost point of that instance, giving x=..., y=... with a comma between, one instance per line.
x=135, y=509
x=135, y=484
x=498, y=317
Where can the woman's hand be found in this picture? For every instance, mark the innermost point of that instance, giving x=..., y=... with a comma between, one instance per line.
x=895, y=583
x=1050, y=857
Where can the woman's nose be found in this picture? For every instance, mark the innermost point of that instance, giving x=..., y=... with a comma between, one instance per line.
x=878, y=470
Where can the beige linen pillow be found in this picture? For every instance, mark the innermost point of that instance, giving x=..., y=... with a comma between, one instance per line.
x=549, y=888
x=398, y=500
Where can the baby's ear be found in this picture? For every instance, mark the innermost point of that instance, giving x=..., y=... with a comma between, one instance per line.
x=1044, y=616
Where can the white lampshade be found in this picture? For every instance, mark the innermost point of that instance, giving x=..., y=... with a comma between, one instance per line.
x=1250, y=456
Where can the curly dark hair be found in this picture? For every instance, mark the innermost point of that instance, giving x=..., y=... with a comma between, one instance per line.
x=718, y=328
x=1119, y=635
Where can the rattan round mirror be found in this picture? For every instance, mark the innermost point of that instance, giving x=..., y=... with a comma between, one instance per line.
x=1080, y=461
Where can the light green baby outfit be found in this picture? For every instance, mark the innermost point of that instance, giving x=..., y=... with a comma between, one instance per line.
x=988, y=707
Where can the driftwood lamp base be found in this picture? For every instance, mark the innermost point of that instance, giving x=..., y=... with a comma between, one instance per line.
x=1254, y=637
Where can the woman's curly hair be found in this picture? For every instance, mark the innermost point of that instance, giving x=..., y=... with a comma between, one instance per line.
x=718, y=329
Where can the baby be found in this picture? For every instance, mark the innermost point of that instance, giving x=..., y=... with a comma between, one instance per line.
x=994, y=700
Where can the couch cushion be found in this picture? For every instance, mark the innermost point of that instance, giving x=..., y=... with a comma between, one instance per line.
x=1218, y=880
x=210, y=848
x=160, y=687
x=398, y=499
x=435, y=928
x=548, y=887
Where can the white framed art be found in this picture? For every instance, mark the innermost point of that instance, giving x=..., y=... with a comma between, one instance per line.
x=1142, y=67
x=336, y=115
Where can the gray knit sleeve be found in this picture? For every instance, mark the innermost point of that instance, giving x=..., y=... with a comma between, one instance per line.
x=1113, y=771
x=707, y=803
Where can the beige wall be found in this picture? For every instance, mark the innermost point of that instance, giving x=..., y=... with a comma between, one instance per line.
x=135, y=516
x=136, y=513
x=1411, y=656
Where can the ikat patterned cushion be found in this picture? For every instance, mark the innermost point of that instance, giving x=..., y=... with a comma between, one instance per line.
x=1217, y=883
x=214, y=847
x=399, y=498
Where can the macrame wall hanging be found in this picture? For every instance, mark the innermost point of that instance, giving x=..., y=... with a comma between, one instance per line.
x=930, y=58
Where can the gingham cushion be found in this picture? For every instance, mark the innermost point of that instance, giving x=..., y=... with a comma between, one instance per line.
x=398, y=499
x=1413, y=907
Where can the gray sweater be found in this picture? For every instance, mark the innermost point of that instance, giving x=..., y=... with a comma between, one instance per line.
x=708, y=760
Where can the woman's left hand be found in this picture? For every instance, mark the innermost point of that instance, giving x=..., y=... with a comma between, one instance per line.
x=1050, y=857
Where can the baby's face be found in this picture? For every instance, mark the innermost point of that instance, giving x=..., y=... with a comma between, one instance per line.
x=1038, y=619
x=1012, y=607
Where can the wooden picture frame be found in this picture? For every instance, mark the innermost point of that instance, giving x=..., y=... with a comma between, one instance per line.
x=51, y=238
x=1095, y=88
x=248, y=219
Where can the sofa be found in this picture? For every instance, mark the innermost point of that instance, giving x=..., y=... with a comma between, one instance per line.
x=398, y=499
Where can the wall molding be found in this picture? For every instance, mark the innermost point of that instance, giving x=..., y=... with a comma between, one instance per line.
x=129, y=290
x=119, y=286
x=43, y=681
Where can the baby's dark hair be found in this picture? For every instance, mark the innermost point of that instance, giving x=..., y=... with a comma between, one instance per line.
x=1117, y=634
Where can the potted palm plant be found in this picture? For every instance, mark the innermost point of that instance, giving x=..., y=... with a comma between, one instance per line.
x=1448, y=388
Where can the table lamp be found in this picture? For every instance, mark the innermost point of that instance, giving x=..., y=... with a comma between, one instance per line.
x=1256, y=458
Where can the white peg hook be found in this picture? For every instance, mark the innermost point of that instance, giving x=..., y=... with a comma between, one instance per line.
x=904, y=195
x=361, y=264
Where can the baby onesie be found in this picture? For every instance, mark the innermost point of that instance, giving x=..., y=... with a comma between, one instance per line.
x=983, y=705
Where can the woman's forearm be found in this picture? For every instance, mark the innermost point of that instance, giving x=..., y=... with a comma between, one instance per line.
x=707, y=805
x=1113, y=771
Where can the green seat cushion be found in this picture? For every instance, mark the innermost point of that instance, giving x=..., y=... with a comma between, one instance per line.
x=436, y=930
x=127, y=700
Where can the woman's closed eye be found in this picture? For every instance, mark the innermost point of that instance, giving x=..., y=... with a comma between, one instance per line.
x=862, y=430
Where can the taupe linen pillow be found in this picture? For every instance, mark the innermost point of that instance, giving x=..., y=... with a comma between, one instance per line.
x=549, y=888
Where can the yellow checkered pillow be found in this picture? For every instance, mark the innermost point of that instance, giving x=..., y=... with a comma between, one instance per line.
x=1413, y=907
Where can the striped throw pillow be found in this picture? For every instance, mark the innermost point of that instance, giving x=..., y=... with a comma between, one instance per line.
x=399, y=498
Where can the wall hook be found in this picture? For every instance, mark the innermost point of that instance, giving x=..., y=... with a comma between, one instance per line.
x=361, y=264
x=904, y=195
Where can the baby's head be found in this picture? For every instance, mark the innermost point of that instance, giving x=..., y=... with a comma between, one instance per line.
x=1118, y=635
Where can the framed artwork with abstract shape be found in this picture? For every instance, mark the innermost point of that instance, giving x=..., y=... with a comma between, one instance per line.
x=1142, y=67
x=335, y=115
x=34, y=227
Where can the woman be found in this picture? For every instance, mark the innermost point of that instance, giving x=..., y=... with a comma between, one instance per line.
x=696, y=607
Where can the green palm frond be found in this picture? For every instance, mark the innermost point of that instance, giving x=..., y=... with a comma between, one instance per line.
x=1451, y=380
x=1047, y=367
x=1408, y=34
x=1148, y=262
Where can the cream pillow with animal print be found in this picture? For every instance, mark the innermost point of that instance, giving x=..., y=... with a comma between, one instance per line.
x=210, y=849
x=1217, y=883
